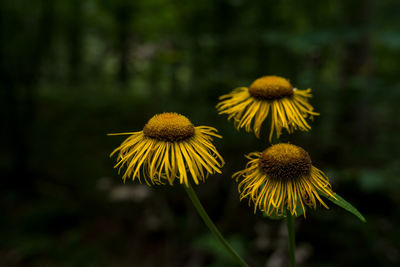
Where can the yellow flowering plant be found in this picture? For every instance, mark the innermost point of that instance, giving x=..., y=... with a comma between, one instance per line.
x=269, y=96
x=166, y=148
x=280, y=181
x=171, y=148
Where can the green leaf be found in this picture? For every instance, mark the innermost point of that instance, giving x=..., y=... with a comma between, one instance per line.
x=345, y=205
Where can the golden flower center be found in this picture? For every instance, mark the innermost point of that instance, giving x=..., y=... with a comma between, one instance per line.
x=169, y=127
x=285, y=162
x=270, y=88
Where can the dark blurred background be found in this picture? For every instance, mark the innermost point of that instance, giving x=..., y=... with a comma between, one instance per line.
x=72, y=71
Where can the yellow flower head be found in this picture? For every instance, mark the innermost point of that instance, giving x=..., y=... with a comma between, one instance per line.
x=169, y=147
x=288, y=107
x=282, y=177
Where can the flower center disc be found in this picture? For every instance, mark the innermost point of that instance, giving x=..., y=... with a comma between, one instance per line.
x=169, y=127
x=271, y=87
x=285, y=162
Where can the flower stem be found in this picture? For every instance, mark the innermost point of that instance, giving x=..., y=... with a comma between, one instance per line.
x=203, y=214
x=292, y=246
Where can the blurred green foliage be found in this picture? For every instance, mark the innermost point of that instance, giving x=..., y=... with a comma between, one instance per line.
x=72, y=71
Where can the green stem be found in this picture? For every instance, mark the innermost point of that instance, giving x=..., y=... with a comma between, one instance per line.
x=292, y=245
x=203, y=214
x=289, y=222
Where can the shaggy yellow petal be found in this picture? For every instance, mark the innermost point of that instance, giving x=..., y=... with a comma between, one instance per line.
x=250, y=106
x=280, y=178
x=169, y=148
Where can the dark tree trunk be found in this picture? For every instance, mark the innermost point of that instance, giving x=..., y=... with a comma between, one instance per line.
x=357, y=53
x=123, y=16
x=75, y=42
x=19, y=82
x=357, y=63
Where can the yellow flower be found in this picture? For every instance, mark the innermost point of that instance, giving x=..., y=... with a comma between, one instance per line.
x=168, y=147
x=282, y=177
x=288, y=107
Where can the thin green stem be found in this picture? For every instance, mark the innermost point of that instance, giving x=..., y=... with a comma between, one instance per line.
x=203, y=214
x=292, y=245
x=289, y=222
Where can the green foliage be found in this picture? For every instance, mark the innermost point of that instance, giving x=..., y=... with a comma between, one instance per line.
x=338, y=201
x=208, y=243
x=345, y=205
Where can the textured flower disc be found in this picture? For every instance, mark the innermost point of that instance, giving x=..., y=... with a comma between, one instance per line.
x=285, y=161
x=271, y=87
x=169, y=127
